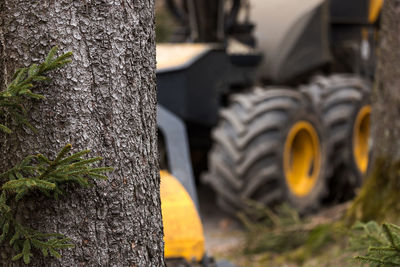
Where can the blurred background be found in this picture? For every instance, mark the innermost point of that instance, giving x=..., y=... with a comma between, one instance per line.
x=264, y=126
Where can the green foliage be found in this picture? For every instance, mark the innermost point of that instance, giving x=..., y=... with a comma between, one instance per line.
x=380, y=245
x=278, y=231
x=13, y=98
x=283, y=234
x=37, y=173
x=40, y=174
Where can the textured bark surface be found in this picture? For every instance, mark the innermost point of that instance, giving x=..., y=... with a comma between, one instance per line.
x=379, y=198
x=104, y=101
x=386, y=101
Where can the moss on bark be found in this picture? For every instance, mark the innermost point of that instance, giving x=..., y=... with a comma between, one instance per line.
x=378, y=199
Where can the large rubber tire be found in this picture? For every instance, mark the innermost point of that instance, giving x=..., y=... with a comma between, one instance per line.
x=344, y=98
x=246, y=160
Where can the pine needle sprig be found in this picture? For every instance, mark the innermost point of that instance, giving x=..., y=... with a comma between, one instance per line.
x=380, y=245
x=12, y=99
x=38, y=173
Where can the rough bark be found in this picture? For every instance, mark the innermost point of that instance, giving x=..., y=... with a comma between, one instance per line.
x=379, y=198
x=104, y=101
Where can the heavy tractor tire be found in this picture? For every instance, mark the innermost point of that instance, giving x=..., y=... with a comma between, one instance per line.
x=346, y=109
x=268, y=147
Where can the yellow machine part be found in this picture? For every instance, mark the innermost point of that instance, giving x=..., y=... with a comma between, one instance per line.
x=183, y=230
x=302, y=158
x=175, y=55
x=375, y=7
x=361, y=138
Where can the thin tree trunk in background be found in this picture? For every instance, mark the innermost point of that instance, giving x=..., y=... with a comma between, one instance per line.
x=379, y=198
x=104, y=101
x=386, y=101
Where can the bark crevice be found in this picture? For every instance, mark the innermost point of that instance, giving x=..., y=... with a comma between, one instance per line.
x=105, y=100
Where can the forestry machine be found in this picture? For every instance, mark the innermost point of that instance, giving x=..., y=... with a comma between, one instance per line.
x=269, y=99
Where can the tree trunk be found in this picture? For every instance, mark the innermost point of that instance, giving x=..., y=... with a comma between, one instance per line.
x=379, y=198
x=104, y=101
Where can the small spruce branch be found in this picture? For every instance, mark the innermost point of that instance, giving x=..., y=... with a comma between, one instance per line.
x=376, y=261
x=13, y=98
x=37, y=173
x=379, y=245
x=40, y=174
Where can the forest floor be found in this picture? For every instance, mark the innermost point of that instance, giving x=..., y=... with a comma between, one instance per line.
x=227, y=238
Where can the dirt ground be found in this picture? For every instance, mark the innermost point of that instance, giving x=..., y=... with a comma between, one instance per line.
x=225, y=236
x=223, y=232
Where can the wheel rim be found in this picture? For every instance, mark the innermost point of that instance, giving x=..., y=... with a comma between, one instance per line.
x=302, y=158
x=361, y=138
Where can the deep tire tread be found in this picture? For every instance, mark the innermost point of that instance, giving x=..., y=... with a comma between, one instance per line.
x=248, y=144
x=342, y=95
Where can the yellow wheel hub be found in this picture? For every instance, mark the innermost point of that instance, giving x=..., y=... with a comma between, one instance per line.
x=302, y=158
x=361, y=138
